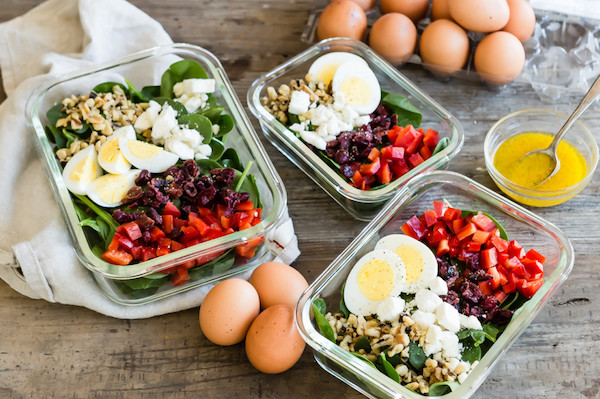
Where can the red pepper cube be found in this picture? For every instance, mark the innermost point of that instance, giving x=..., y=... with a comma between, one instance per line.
x=148, y=253
x=451, y=214
x=515, y=249
x=489, y=258
x=410, y=139
x=443, y=248
x=485, y=287
x=425, y=152
x=440, y=208
x=180, y=277
x=156, y=234
x=417, y=226
x=534, y=255
x=399, y=167
x=176, y=246
x=370, y=169
x=509, y=288
x=532, y=266
x=512, y=263
x=393, y=133
x=124, y=242
x=171, y=209
x=357, y=179
x=500, y=296
x=481, y=236
x=500, y=244
x=430, y=218
x=473, y=246
x=415, y=160
x=374, y=154
x=466, y=231
x=117, y=257
x=131, y=229
x=457, y=224
x=245, y=206
x=431, y=138
x=529, y=288
x=137, y=252
x=168, y=222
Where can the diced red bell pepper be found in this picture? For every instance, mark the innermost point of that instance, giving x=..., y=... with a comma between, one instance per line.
x=443, y=248
x=407, y=230
x=500, y=296
x=156, y=234
x=212, y=222
x=440, y=208
x=509, y=288
x=180, y=277
x=425, y=153
x=454, y=252
x=370, y=169
x=171, y=209
x=117, y=257
x=488, y=258
x=532, y=266
x=198, y=224
x=114, y=243
x=502, y=258
x=179, y=222
x=485, y=287
x=481, y=236
x=534, y=255
x=457, y=224
x=472, y=246
x=466, y=231
x=417, y=226
x=137, y=252
x=131, y=229
x=483, y=222
x=438, y=232
x=399, y=167
x=410, y=139
x=495, y=281
x=374, y=154
x=176, y=246
x=211, y=234
x=394, y=132
x=512, y=263
x=167, y=223
x=415, y=160
x=245, y=250
x=124, y=242
x=430, y=218
x=431, y=138
x=515, y=249
x=148, y=253
x=209, y=257
x=245, y=206
x=451, y=214
x=202, y=211
x=357, y=179
x=500, y=244
x=191, y=232
x=529, y=288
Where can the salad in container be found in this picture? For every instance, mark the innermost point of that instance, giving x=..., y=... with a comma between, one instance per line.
x=432, y=292
x=353, y=123
x=159, y=175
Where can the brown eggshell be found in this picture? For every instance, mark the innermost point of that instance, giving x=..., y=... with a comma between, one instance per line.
x=439, y=10
x=228, y=310
x=277, y=283
x=394, y=37
x=444, y=47
x=364, y=4
x=479, y=15
x=273, y=343
x=521, y=22
x=413, y=9
x=499, y=58
x=342, y=18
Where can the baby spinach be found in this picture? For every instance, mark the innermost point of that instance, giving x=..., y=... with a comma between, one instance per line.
x=443, y=143
x=343, y=309
x=107, y=217
x=407, y=113
x=363, y=343
x=216, y=266
x=55, y=113
x=491, y=331
x=388, y=368
x=225, y=123
x=217, y=149
x=56, y=136
x=363, y=358
x=471, y=353
x=198, y=122
x=318, y=308
x=151, y=92
x=442, y=388
x=231, y=159
x=135, y=95
x=176, y=105
x=177, y=72
x=416, y=355
x=474, y=337
x=107, y=87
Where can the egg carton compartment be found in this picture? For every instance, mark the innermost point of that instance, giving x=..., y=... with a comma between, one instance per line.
x=562, y=56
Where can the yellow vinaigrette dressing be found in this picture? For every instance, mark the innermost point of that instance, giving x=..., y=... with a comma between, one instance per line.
x=533, y=169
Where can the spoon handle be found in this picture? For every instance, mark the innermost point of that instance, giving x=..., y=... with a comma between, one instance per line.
x=589, y=98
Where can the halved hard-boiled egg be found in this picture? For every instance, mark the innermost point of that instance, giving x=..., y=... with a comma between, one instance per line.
x=108, y=190
x=81, y=170
x=324, y=67
x=355, y=84
x=110, y=156
x=376, y=276
x=147, y=156
x=419, y=261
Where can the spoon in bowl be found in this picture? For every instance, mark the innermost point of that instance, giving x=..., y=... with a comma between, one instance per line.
x=550, y=151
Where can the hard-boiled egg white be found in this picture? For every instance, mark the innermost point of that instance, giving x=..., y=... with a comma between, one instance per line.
x=355, y=84
x=324, y=67
x=110, y=156
x=419, y=261
x=376, y=276
x=147, y=156
x=81, y=170
x=108, y=190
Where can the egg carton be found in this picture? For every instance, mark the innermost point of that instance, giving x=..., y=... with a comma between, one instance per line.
x=562, y=56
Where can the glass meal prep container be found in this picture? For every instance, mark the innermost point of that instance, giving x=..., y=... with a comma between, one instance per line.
x=142, y=69
x=361, y=204
x=414, y=198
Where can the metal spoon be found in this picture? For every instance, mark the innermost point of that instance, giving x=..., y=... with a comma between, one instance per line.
x=550, y=151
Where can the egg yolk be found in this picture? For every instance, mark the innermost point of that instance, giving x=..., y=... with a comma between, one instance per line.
x=85, y=171
x=356, y=91
x=327, y=71
x=376, y=279
x=143, y=150
x=413, y=262
x=112, y=188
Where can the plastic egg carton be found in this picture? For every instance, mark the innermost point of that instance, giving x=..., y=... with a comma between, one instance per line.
x=562, y=56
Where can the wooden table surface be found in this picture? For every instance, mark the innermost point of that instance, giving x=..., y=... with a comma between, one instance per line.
x=50, y=350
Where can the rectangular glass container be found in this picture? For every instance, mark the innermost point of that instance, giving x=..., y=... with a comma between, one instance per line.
x=414, y=198
x=142, y=69
x=361, y=204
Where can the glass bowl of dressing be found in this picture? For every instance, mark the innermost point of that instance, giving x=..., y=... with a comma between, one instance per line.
x=515, y=135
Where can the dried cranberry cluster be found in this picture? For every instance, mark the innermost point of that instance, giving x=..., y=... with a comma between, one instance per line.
x=464, y=293
x=351, y=148
x=184, y=183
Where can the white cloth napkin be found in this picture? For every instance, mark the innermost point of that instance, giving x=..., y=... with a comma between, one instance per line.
x=37, y=257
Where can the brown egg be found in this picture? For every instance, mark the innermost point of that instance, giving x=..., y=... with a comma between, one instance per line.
x=273, y=343
x=479, y=15
x=444, y=47
x=342, y=18
x=394, y=37
x=521, y=22
x=364, y=4
x=499, y=58
x=277, y=283
x=413, y=9
x=228, y=310
x=439, y=10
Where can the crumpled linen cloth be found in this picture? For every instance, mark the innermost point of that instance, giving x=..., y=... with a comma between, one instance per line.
x=37, y=257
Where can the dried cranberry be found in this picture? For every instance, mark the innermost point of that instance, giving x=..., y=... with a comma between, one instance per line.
x=479, y=275
x=143, y=178
x=473, y=262
x=190, y=169
x=154, y=215
x=347, y=171
x=452, y=298
x=503, y=316
x=122, y=217
x=223, y=177
x=342, y=157
x=145, y=222
x=470, y=291
x=173, y=190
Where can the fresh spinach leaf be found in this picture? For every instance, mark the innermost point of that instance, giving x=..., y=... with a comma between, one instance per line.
x=134, y=94
x=107, y=87
x=322, y=322
x=443, y=143
x=143, y=283
x=292, y=118
x=217, y=147
x=177, y=72
x=442, y=388
x=56, y=136
x=225, y=123
x=206, y=165
x=407, y=113
x=388, y=368
x=491, y=331
x=107, y=217
x=364, y=359
x=231, y=159
x=213, y=112
x=55, y=113
x=471, y=353
x=343, y=309
x=320, y=304
x=198, y=122
x=363, y=343
x=151, y=92
x=416, y=355
x=100, y=226
x=176, y=105
x=474, y=337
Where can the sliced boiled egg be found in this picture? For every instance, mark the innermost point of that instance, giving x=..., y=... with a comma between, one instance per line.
x=110, y=156
x=325, y=66
x=108, y=190
x=378, y=275
x=355, y=84
x=81, y=170
x=147, y=156
x=419, y=261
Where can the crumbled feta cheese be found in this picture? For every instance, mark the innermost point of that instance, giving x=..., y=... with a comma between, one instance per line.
x=179, y=148
x=146, y=120
x=470, y=322
x=390, y=308
x=320, y=115
x=423, y=319
x=361, y=120
x=449, y=342
x=452, y=363
x=190, y=137
x=426, y=300
x=203, y=151
x=438, y=286
x=432, y=340
x=298, y=127
x=194, y=86
x=167, y=120
x=447, y=317
x=192, y=103
x=314, y=139
x=299, y=102
x=216, y=129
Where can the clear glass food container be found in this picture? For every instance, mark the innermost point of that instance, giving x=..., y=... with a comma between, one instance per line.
x=362, y=205
x=142, y=69
x=414, y=198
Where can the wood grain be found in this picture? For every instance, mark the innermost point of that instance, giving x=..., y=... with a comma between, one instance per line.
x=54, y=351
